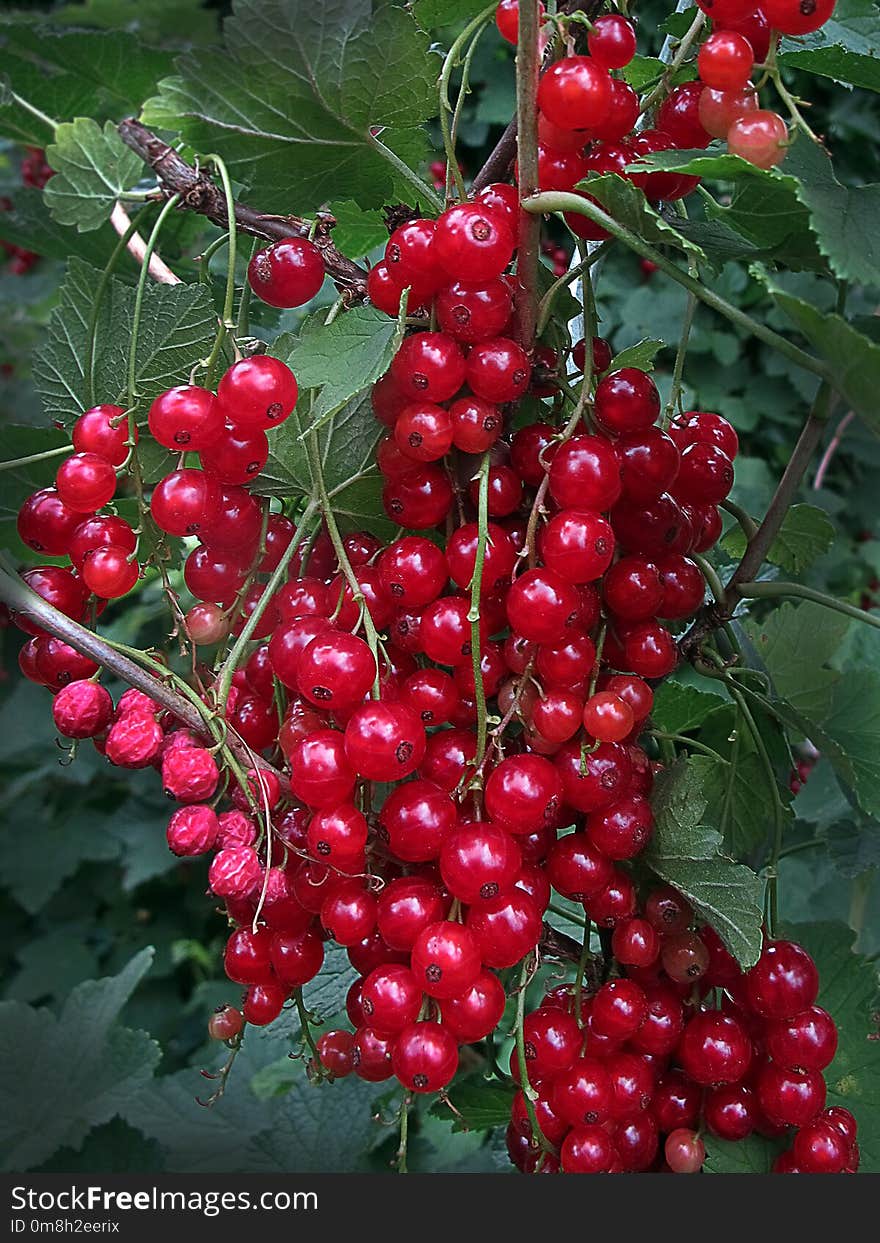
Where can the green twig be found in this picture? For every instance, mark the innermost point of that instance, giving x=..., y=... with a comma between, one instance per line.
x=773, y=588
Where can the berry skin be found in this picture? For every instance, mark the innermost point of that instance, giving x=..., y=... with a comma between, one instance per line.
x=384, y=741
x=507, y=19
x=413, y=571
x=425, y=1057
x=263, y=1003
x=596, y=782
x=320, y=773
x=635, y=943
x=415, y=819
x=575, y=93
x=85, y=482
x=104, y=431
x=684, y=956
x=287, y=273
x=184, y=502
x=731, y=1112
x=498, y=370
x=506, y=928
x=237, y=456
x=296, y=958
x=46, y=524
x=390, y=998
x=585, y=474
x=619, y=1009
x=476, y=424
x=474, y=312
x=627, y=401
x=612, y=41
x=476, y=1011
x=98, y=532
x=783, y=982
x=623, y=830
x=819, y=1148
x=82, y=710
x=335, y=670
x=445, y=959
x=797, y=17
x=235, y=872
x=684, y=1151
x=192, y=830
x=807, y=1041
x=678, y=116
x=577, y=545
x=715, y=1048
x=523, y=793
x=372, y=1055
x=541, y=606
x=423, y=432
x=498, y=560
x=607, y=717
x=336, y=1052
x=189, y=775
x=787, y=1097
x=479, y=861
x=650, y=650
x=429, y=366
x=725, y=61
x=225, y=1023
x=419, y=500
x=109, y=572
x=348, y=913
x=186, y=417
x=759, y=137
x=719, y=109
x=133, y=741
x=258, y=393
x=552, y=1041
x=473, y=238
x=587, y=1150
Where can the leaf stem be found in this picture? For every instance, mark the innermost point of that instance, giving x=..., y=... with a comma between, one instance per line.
x=527, y=1090
x=766, y=591
x=33, y=457
x=450, y=63
x=564, y=201
x=666, y=735
x=427, y=193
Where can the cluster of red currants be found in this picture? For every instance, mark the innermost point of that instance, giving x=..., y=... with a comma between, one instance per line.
x=626, y=1078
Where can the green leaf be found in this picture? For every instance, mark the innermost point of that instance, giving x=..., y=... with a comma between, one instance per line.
x=50, y=964
x=357, y=232
x=342, y=358
x=678, y=709
x=846, y=48
x=114, y=1148
x=853, y=360
x=642, y=72
x=687, y=854
x=432, y=14
x=806, y=534
x=92, y=168
x=29, y=223
x=348, y=441
x=752, y=1155
x=853, y=725
x=640, y=355
x=325, y=995
x=795, y=641
x=291, y=100
x=848, y=991
x=480, y=1106
x=740, y=804
x=19, y=482
x=629, y=207
x=853, y=844
x=178, y=325
x=60, y=1076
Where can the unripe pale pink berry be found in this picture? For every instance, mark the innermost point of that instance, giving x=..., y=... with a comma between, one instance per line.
x=82, y=710
x=236, y=829
x=192, y=830
x=135, y=701
x=189, y=774
x=235, y=872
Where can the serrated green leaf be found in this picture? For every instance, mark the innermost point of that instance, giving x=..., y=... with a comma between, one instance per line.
x=357, y=232
x=806, y=534
x=853, y=844
x=19, y=482
x=629, y=207
x=640, y=355
x=852, y=359
x=342, y=358
x=848, y=991
x=852, y=724
x=687, y=854
x=60, y=1076
x=752, y=1155
x=292, y=99
x=846, y=48
x=479, y=1106
x=50, y=964
x=795, y=641
x=643, y=71
x=177, y=328
x=92, y=168
x=432, y=14
x=114, y=1148
x=28, y=223
x=740, y=804
x=678, y=709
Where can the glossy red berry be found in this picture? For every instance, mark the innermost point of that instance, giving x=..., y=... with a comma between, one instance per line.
x=425, y=1057
x=423, y=431
x=684, y=1151
x=335, y=670
x=575, y=93
x=578, y=545
x=185, y=501
x=506, y=928
x=109, y=571
x=759, y=137
x=336, y=1052
x=627, y=401
x=587, y=1150
x=258, y=393
x=787, y=1097
x=81, y=709
x=320, y=773
x=678, y=116
x=225, y=1023
x=263, y=1003
x=725, y=61
x=476, y=424
x=103, y=430
x=473, y=238
x=384, y=741
x=445, y=959
x=585, y=474
x=85, y=482
x=186, y=418
x=476, y=1011
x=415, y=819
x=715, y=1048
x=287, y=273
x=474, y=312
x=479, y=861
x=46, y=524
x=783, y=982
x=237, y=456
x=523, y=793
x=806, y=1041
x=797, y=17
x=498, y=370
x=429, y=366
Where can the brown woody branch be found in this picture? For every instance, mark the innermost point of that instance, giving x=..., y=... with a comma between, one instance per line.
x=200, y=193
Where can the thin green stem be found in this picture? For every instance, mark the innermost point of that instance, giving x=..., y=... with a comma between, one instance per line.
x=545, y=306
x=98, y=301
x=687, y=41
x=681, y=352
x=31, y=108
x=404, y=1133
x=305, y=1025
x=778, y=809
x=527, y=1090
x=711, y=576
x=227, y=322
x=428, y=195
x=139, y=304
x=474, y=611
x=451, y=61
x=585, y=957
x=773, y=588
x=693, y=743
x=745, y=520
x=232, y=661
x=563, y=201
x=323, y=501
x=33, y=457
x=242, y=324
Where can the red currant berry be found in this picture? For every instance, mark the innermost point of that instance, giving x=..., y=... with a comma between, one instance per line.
x=759, y=137
x=47, y=525
x=783, y=982
x=684, y=1151
x=575, y=93
x=612, y=41
x=258, y=393
x=103, y=430
x=287, y=273
x=498, y=370
x=425, y=1057
x=473, y=313
x=85, y=482
x=186, y=417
